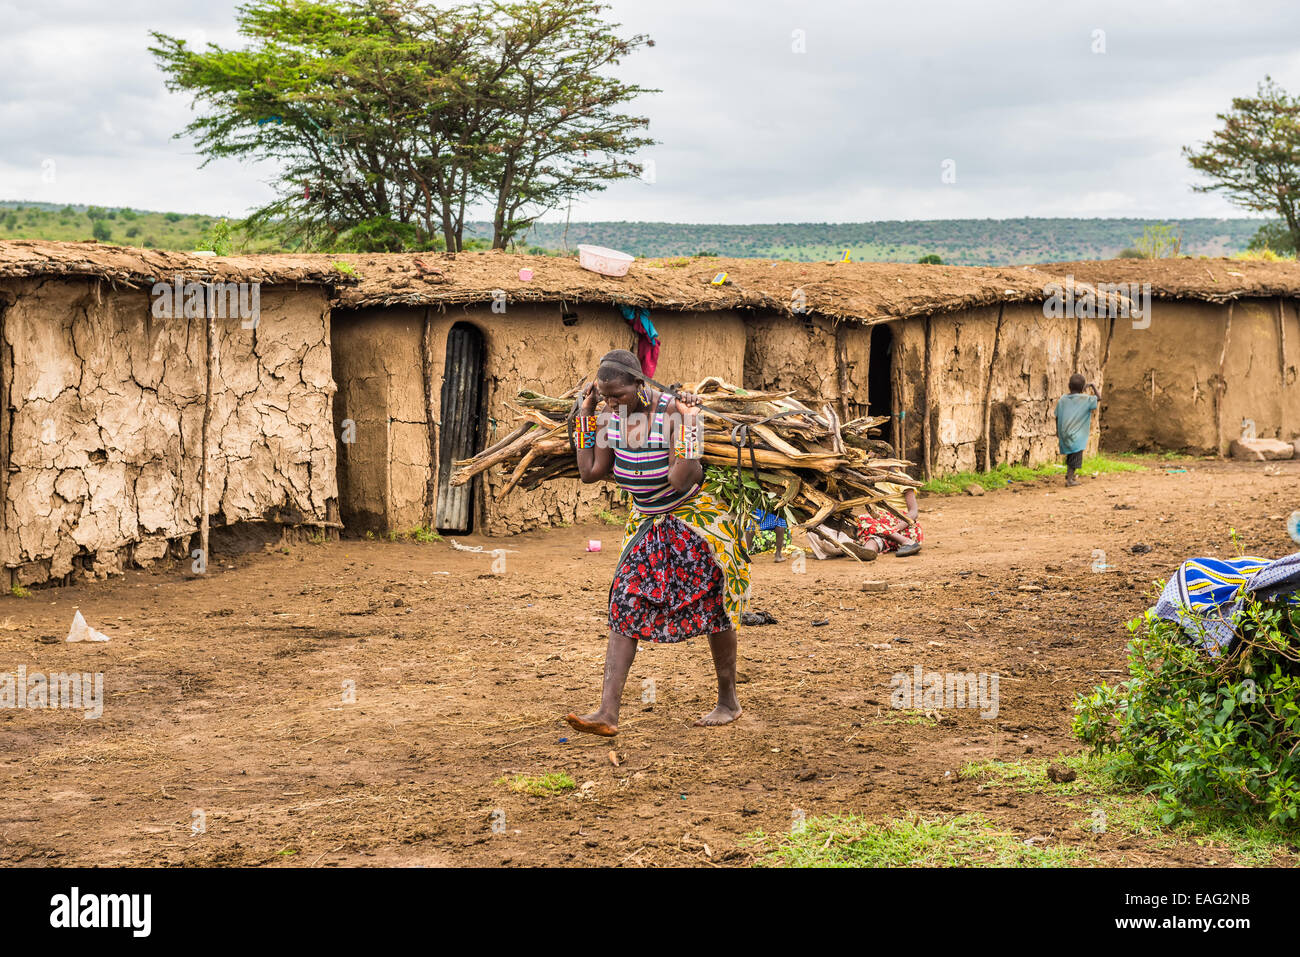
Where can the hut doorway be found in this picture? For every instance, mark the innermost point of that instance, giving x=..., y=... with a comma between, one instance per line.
x=462, y=388
x=880, y=372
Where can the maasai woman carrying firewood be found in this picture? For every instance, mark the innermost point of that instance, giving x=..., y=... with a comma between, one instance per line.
x=681, y=571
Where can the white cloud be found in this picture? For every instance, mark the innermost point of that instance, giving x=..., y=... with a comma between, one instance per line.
x=853, y=129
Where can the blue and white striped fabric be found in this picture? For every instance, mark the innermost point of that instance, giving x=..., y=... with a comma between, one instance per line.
x=768, y=521
x=1206, y=595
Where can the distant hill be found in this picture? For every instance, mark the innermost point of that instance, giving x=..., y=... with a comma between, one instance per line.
x=967, y=242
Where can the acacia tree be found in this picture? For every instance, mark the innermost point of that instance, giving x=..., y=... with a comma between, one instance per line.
x=561, y=131
x=390, y=119
x=1254, y=159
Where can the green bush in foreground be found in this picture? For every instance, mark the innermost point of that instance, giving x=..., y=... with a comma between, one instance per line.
x=1203, y=732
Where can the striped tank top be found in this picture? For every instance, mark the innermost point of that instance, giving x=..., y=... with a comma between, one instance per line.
x=643, y=472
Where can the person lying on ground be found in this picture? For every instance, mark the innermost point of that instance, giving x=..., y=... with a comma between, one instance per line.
x=886, y=532
x=767, y=522
x=682, y=571
x=1074, y=425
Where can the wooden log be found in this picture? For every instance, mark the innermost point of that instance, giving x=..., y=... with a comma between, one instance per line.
x=925, y=411
x=431, y=420
x=483, y=463
x=1281, y=342
x=988, y=390
x=205, y=442
x=1220, y=386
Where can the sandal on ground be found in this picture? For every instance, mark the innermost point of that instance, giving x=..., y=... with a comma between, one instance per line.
x=911, y=548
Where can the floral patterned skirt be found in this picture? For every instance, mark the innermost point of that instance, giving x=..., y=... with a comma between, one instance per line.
x=680, y=574
x=879, y=526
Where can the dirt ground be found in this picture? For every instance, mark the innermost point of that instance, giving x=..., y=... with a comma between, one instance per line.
x=224, y=695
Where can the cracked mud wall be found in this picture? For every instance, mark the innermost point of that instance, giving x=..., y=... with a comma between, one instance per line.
x=799, y=353
x=103, y=421
x=380, y=402
x=378, y=365
x=1035, y=357
x=1163, y=379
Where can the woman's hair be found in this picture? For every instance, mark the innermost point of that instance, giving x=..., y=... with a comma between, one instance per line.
x=608, y=372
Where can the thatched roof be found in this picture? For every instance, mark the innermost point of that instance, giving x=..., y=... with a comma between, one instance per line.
x=864, y=292
x=128, y=266
x=1210, y=280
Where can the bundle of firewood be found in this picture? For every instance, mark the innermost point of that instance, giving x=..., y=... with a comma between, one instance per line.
x=793, y=460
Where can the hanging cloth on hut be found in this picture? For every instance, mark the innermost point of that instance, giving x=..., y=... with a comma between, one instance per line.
x=647, y=337
x=1206, y=595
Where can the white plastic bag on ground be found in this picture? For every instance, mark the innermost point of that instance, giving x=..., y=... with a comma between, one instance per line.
x=83, y=632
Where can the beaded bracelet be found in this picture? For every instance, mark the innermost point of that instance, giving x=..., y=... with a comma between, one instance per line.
x=688, y=444
x=584, y=439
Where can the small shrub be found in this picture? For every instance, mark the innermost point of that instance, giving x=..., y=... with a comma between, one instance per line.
x=1204, y=732
x=218, y=239
x=18, y=591
x=930, y=259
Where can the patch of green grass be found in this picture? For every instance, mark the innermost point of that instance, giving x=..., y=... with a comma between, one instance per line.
x=851, y=841
x=1147, y=458
x=609, y=518
x=1001, y=476
x=557, y=782
x=422, y=533
x=345, y=268
x=912, y=716
x=1250, y=841
x=1094, y=775
x=18, y=591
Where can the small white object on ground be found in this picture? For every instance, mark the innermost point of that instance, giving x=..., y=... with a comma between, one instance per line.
x=1261, y=450
x=83, y=632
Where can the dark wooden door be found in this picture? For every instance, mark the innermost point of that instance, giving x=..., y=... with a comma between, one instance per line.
x=462, y=391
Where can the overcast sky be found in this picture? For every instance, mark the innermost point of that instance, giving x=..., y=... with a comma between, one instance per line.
x=858, y=127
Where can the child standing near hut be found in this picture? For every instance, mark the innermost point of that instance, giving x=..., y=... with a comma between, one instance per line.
x=767, y=522
x=1074, y=425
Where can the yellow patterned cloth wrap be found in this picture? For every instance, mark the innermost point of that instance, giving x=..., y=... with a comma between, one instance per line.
x=708, y=518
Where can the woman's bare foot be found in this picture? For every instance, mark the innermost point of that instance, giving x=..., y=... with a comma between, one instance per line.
x=594, y=723
x=722, y=714
x=779, y=558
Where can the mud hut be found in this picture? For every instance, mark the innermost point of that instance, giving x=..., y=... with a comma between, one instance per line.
x=430, y=350
x=116, y=364
x=1215, y=359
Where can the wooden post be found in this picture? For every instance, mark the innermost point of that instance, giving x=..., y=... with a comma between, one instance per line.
x=988, y=392
x=426, y=362
x=925, y=411
x=1281, y=341
x=1110, y=336
x=205, y=453
x=6, y=379
x=842, y=368
x=1078, y=342
x=896, y=377
x=1221, y=386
